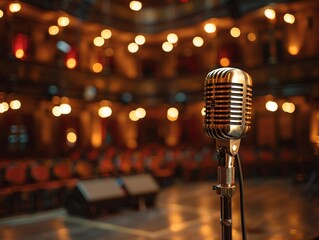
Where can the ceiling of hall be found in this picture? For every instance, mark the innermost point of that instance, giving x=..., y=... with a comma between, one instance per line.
x=155, y=16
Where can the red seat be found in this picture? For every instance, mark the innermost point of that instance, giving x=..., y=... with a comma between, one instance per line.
x=15, y=174
x=22, y=193
x=83, y=169
x=40, y=173
x=106, y=167
x=62, y=170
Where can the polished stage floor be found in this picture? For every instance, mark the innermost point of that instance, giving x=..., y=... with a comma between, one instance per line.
x=276, y=209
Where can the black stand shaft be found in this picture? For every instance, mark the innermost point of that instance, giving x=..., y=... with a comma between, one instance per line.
x=226, y=217
x=225, y=189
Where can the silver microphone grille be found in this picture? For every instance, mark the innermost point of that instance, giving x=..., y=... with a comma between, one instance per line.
x=228, y=103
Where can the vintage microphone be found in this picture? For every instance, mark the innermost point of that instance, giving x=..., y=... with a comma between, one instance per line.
x=228, y=102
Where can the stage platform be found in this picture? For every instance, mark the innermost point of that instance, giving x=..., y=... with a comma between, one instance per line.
x=276, y=209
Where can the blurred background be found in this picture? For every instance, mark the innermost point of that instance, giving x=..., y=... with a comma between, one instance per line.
x=106, y=88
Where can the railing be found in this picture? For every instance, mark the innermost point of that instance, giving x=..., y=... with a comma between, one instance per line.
x=300, y=75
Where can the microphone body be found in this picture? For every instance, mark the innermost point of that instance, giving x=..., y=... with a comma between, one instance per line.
x=228, y=104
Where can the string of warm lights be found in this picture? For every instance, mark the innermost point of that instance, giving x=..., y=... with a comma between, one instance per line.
x=210, y=27
x=14, y=105
x=167, y=46
x=287, y=107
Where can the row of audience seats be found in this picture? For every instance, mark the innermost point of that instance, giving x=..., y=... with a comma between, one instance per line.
x=37, y=184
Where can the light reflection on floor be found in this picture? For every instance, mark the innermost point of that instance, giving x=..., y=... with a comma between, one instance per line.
x=275, y=210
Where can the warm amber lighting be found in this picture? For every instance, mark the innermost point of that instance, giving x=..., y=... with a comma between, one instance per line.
x=293, y=49
x=98, y=41
x=56, y=100
x=104, y=103
x=106, y=34
x=19, y=53
x=64, y=100
x=203, y=111
x=132, y=116
x=131, y=143
x=235, y=32
x=14, y=7
x=198, y=41
x=288, y=107
x=251, y=37
x=56, y=111
x=1, y=13
x=172, y=38
x=210, y=27
x=109, y=52
x=105, y=112
x=15, y=104
x=53, y=30
x=71, y=137
x=172, y=114
x=140, y=113
x=271, y=106
x=270, y=14
x=4, y=107
x=289, y=18
x=135, y=5
x=167, y=46
x=97, y=67
x=65, y=108
x=224, y=62
x=206, y=231
x=71, y=63
x=132, y=47
x=140, y=39
x=63, y=21
x=314, y=128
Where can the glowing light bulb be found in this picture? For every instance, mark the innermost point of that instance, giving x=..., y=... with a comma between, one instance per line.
x=14, y=7
x=140, y=113
x=167, y=46
x=172, y=114
x=133, y=47
x=198, y=41
x=251, y=37
x=15, y=104
x=289, y=18
x=53, y=30
x=140, y=39
x=288, y=107
x=172, y=38
x=106, y=34
x=105, y=112
x=210, y=27
x=71, y=63
x=97, y=67
x=98, y=41
x=235, y=32
x=270, y=14
x=271, y=106
x=224, y=62
x=63, y=21
x=135, y=5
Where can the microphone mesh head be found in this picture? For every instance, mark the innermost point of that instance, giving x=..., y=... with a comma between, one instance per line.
x=228, y=103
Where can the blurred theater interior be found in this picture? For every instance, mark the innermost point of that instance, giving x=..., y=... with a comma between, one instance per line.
x=101, y=112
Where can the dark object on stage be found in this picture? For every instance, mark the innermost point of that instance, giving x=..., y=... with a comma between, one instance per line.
x=142, y=190
x=92, y=197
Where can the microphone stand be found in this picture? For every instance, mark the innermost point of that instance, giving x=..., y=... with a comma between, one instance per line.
x=226, y=151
